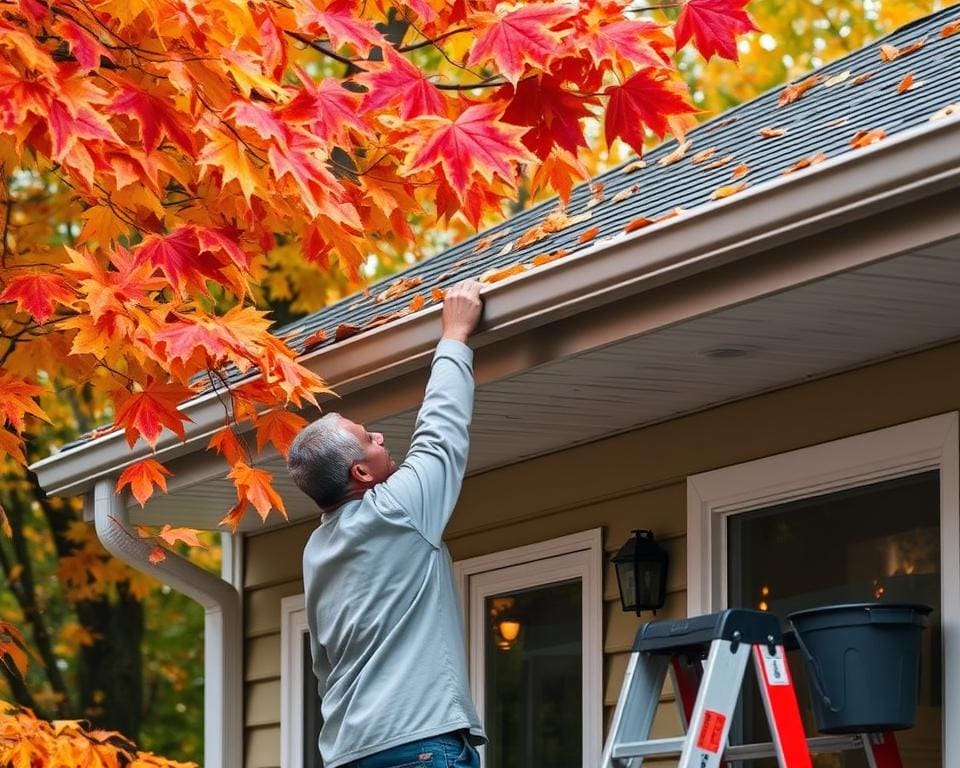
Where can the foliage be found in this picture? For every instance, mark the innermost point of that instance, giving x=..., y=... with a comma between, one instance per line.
x=28, y=741
x=159, y=157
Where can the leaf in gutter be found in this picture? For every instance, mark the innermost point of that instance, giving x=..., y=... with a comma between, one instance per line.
x=638, y=223
x=795, y=91
x=740, y=171
x=773, y=133
x=438, y=294
x=837, y=79
x=720, y=162
x=496, y=275
x=157, y=555
x=636, y=165
x=731, y=189
x=142, y=478
x=703, y=155
x=345, y=331
x=416, y=303
x=860, y=79
x=397, y=288
x=908, y=83
x=891, y=52
x=314, y=340
x=951, y=28
x=671, y=214
x=384, y=319
x=623, y=194
x=588, y=235
x=805, y=162
x=188, y=536
x=865, y=138
x=677, y=153
x=947, y=111
x=546, y=258
x=487, y=241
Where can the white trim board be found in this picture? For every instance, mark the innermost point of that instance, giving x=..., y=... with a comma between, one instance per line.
x=926, y=444
x=577, y=556
x=293, y=626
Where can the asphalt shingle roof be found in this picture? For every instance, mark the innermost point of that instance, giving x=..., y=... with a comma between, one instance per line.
x=860, y=92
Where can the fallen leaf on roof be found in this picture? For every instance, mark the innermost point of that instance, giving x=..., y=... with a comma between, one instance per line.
x=950, y=109
x=859, y=79
x=397, y=288
x=638, y=223
x=384, y=319
x=416, y=303
x=805, y=162
x=794, y=91
x=704, y=155
x=496, y=275
x=731, y=189
x=636, y=165
x=890, y=52
x=677, y=154
x=314, y=339
x=951, y=28
x=908, y=83
x=437, y=294
x=536, y=232
x=623, y=194
x=865, y=138
x=838, y=122
x=487, y=241
x=157, y=555
x=506, y=249
x=345, y=331
x=670, y=214
x=722, y=124
x=596, y=194
x=546, y=258
x=837, y=79
x=460, y=263
x=559, y=220
x=587, y=236
x=773, y=133
x=721, y=162
x=740, y=171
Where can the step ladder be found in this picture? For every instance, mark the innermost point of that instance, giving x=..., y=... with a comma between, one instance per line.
x=707, y=657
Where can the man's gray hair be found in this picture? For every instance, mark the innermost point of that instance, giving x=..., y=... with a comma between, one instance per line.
x=320, y=460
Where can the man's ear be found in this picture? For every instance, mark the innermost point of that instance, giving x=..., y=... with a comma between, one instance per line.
x=360, y=473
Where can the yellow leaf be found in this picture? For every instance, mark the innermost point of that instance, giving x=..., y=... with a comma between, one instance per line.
x=732, y=189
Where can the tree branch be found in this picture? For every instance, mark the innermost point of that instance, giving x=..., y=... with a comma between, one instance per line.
x=324, y=50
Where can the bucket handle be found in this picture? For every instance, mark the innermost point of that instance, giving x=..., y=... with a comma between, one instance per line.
x=815, y=666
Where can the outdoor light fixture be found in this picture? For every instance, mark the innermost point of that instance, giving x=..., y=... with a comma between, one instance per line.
x=506, y=624
x=641, y=567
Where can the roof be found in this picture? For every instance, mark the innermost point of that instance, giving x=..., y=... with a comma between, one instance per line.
x=891, y=86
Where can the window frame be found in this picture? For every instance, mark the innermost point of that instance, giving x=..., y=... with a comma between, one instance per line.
x=293, y=626
x=897, y=451
x=578, y=555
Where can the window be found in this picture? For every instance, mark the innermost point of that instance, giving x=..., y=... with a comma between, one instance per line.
x=300, y=718
x=534, y=621
x=871, y=517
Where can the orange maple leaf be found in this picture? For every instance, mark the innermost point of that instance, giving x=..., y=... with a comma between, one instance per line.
x=188, y=536
x=279, y=427
x=864, y=138
x=397, y=81
x=37, y=292
x=17, y=399
x=256, y=486
x=142, y=477
x=145, y=413
x=228, y=444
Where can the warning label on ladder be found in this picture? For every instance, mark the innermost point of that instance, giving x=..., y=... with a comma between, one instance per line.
x=711, y=732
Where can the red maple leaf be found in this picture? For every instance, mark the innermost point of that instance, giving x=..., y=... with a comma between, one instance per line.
x=85, y=47
x=146, y=413
x=179, y=257
x=477, y=142
x=37, y=293
x=328, y=108
x=552, y=112
x=519, y=37
x=645, y=100
x=642, y=42
x=342, y=23
x=396, y=80
x=142, y=477
x=155, y=117
x=714, y=26
x=188, y=334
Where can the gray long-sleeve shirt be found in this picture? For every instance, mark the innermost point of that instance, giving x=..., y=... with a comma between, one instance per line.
x=385, y=622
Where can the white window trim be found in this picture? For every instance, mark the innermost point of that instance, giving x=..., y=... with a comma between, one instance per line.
x=587, y=564
x=293, y=626
x=906, y=449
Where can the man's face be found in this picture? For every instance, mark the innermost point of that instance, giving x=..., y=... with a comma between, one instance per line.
x=377, y=462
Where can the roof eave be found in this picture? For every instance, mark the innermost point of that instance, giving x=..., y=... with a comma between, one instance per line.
x=905, y=167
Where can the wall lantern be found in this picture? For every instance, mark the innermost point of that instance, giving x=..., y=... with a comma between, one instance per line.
x=641, y=567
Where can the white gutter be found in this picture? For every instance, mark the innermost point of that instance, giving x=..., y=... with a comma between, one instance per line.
x=223, y=631
x=900, y=169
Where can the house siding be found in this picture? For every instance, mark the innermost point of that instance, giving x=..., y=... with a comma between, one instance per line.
x=636, y=479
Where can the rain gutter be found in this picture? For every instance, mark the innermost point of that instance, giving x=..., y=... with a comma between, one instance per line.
x=223, y=630
x=908, y=166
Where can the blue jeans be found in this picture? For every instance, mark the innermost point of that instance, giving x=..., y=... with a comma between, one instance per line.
x=451, y=750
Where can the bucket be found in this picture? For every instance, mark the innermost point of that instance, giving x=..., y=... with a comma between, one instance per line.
x=864, y=664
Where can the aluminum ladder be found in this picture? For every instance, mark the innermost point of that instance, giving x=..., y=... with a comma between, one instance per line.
x=707, y=693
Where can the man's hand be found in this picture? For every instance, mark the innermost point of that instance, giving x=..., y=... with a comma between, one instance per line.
x=461, y=310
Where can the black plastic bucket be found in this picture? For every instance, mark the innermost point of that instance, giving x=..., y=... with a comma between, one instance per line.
x=864, y=664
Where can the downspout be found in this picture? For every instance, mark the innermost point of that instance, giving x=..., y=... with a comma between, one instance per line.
x=223, y=632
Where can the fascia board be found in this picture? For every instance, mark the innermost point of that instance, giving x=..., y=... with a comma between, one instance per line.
x=905, y=167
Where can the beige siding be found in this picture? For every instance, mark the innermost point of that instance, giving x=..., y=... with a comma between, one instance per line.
x=633, y=480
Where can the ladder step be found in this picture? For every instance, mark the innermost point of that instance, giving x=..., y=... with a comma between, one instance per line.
x=674, y=746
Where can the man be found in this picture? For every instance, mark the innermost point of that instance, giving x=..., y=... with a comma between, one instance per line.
x=382, y=609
